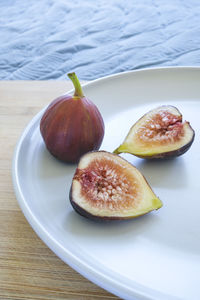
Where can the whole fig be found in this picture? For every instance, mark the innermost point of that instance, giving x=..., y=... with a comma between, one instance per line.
x=72, y=125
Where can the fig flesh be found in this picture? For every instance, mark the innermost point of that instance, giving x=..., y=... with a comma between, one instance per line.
x=158, y=134
x=72, y=125
x=106, y=186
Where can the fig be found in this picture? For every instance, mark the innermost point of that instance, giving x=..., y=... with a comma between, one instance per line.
x=160, y=133
x=72, y=125
x=105, y=186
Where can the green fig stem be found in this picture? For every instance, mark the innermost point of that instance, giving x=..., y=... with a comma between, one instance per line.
x=78, y=89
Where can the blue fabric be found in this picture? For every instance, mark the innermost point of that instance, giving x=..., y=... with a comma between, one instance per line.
x=48, y=38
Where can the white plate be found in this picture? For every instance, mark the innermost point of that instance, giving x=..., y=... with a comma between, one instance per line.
x=156, y=256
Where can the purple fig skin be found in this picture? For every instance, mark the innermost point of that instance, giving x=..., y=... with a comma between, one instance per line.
x=71, y=126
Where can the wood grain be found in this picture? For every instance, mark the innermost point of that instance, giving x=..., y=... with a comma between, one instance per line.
x=28, y=269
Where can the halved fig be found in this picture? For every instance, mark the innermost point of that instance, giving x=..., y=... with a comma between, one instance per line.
x=158, y=134
x=106, y=186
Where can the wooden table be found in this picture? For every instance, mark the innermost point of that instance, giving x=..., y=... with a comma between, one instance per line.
x=28, y=269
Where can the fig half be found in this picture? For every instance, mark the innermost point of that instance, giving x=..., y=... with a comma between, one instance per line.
x=158, y=134
x=106, y=186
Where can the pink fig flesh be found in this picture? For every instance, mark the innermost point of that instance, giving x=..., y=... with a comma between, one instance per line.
x=107, y=187
x=160, y=133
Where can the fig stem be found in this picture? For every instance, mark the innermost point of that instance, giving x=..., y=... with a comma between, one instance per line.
x=78, y=89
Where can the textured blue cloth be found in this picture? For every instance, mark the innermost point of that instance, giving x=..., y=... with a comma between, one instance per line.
x=48, y=38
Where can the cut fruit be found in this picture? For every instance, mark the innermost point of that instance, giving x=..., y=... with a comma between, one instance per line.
x=158, y=134
x=106, y=186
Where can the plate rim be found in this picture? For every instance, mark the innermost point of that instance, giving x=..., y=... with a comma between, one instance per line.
x=93, y=275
